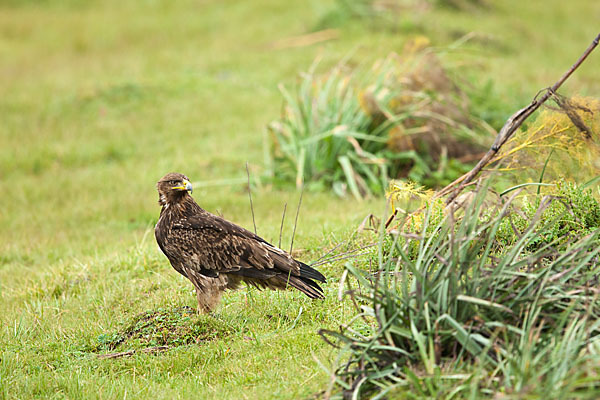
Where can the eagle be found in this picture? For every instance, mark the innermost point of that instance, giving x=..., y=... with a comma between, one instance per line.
x=215, y=254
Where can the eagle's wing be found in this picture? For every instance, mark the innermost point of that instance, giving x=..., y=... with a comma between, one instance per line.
x=212, y=245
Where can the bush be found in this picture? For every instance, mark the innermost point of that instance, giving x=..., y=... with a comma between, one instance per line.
x=463, y=316
x=354, y=131
x=573, y=212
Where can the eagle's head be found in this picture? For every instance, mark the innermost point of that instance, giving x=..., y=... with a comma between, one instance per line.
x=172, y=188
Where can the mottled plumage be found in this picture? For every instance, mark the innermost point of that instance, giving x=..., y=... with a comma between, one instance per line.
x=215, y=254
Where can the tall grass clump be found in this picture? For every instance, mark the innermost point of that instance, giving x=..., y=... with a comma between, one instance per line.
x=450, y=314
x=324, y=139
x=353, y=130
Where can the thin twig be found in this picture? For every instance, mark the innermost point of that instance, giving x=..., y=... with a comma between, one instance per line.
x=132, y=352
x=250, y=196
x=334, y=248
x=296, y=220
x=281, y=227
x=340, y=258
x=511, y=125
x=344, y=255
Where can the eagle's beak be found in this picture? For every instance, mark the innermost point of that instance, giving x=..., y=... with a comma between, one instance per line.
x=186, y=185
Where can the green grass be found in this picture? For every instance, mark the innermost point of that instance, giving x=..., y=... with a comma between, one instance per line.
x=453, y=311
x=99, y=99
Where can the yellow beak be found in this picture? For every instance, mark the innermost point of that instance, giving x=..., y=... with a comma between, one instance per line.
x=186, y=185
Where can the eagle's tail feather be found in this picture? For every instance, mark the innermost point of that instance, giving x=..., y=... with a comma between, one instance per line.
x=305, y=285
x=307, y=271
x=262, y=278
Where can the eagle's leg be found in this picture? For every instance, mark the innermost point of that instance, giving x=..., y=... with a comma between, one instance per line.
x=202, y=305
x=208, y=290
x=208, y=298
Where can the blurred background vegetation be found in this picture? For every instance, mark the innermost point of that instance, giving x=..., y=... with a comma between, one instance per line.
x=99, y=99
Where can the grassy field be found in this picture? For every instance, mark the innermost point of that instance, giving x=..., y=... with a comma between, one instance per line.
x=98, y=100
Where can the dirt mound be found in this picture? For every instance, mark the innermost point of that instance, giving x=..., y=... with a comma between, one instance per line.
x=164, y=327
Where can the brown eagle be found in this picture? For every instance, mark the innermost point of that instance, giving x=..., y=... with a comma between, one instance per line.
x=215, y=254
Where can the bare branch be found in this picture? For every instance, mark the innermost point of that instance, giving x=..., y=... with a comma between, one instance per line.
x=511, y=125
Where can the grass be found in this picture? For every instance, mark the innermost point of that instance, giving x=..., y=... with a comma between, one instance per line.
x=353, y=131
x=99, y=99
x=450, y=311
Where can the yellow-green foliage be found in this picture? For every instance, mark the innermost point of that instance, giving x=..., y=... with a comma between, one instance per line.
x=405, y=196
x=553, y=136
